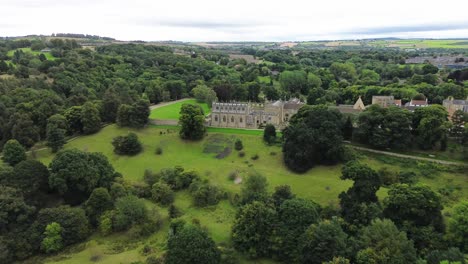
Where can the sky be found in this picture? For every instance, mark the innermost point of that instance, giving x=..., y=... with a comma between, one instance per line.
x=239, y=20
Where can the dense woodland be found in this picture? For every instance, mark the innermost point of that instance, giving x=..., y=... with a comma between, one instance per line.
x=77, y=90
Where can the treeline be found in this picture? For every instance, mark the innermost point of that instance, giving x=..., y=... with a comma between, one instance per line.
x=124, y=74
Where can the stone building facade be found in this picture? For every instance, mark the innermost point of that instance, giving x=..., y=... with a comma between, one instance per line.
x=253, y=115
x=453, y=105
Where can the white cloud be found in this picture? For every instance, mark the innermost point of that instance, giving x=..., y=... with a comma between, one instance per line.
x=240, y=20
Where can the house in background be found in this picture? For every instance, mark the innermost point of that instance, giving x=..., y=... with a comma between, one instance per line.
x=453, y=105
x=385, y=101
x=351, y=109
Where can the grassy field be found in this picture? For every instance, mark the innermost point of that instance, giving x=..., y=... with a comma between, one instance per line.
x=321, y=184
x=172, y=111
x=28, y=50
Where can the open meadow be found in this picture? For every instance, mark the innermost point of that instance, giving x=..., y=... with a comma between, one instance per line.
x=48, y=55
x=321, y=184
x=171, y=111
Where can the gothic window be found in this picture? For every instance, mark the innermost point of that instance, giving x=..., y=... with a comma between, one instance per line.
x=232, y=119
x=217, y=107
x=224, y=118
x=240, y=119
x=216, y=118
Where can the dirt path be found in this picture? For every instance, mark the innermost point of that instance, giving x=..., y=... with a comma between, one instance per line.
x=168, y=103
x=444, y=162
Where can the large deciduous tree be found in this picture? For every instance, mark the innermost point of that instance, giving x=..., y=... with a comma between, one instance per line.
x=75, y=174
x=191, y=244
x=313, y=137
x=192, y=122
x=322, y=242
x=382, y=242
x=252, y=229
x=90, y=118
x=13, y=152
x=359, y=205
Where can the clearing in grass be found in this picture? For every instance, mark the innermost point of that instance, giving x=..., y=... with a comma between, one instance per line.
x=172, y=111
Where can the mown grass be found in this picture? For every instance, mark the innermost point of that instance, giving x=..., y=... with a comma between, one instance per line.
x=321, y=184
x=28, y=50
x=172, y=111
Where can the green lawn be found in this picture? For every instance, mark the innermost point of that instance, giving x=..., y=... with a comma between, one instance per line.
x=28, y=50
x=172, y=111
x=321, y=184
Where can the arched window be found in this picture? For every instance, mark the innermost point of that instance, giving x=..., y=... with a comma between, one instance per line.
x=224, y=118
x=240, y=119
x=216, y=118
x=232, y=119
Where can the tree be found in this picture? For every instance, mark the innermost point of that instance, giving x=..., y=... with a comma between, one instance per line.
x=269, y=134
x=430, y=69
x=430, y=125
x=30, y=176
x=294, y=81
x=73, y=116
x=382, y=242
x=162, y=193
x=254, y=189
x=348, y=129
x=98, y=202
x=124, y=115
x=3, y=67
x=344, y=71
x=127, y=145
x=238, y=145
x=205, y=94
x=176, y=88
x=52, y=241
x=110, y=106
x=451, y=255
x=13, y=152
x=56, y=129
x=192, y=122
x=416, y=204
x=192, y=245
x=73, y=220
x=385, y=127
x=90, y=118
x=359, y=205
x=252, y=229
x=458, y=225
x=14, y=211
x=281, y=194
x=313, y=137
x=205, y=194
x=24, y=130
x=129, y=210
x=75, y=174
x=140, y=113
x=294, y=217
x=55, y=138
x=322, y=242
x=315, y=96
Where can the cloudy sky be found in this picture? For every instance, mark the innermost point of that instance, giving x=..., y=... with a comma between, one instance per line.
x=237, y=20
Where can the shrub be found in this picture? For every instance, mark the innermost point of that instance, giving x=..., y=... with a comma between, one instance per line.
x=205, y=194
x=255, y=157
x=232, y=175
x=238, y=145
x=159, y=151
x=269, y=134
x=129, y=210
x=241, y=154
x=162, y=193
x=150, y=178
x=127, y=145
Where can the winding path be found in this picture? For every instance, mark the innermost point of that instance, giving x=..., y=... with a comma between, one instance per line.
x=444, y=162
x=155, y=106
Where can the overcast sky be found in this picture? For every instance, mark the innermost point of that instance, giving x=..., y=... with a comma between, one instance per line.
x=237, y=20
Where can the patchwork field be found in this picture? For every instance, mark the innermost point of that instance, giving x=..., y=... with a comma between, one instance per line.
x=28, y=50
x=321, y=184
x=172, y=111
